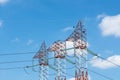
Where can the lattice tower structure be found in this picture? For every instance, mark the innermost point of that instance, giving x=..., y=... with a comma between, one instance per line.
x=79, y=39
x=59, y=59
x=42, y=56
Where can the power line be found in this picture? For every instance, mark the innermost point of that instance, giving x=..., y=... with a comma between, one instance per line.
x=12, y=68
x=22, y=61
x=50, y=58
x=17, y=53
x=109, y=61
x=93, y=53
x=22, y=53
x=95, y=73
x=16, y=62
x=102, y=58
x=100, y=74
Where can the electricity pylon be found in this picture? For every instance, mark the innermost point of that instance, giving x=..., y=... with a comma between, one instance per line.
x=78, y=37
x=42, y=56
x=59, y=60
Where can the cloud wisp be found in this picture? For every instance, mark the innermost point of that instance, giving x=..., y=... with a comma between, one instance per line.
x=1, y=23
x=101, y=16
x=67, y=29
x=29, y=42
x=110, y=25
x=16, y=40
x=3, y=2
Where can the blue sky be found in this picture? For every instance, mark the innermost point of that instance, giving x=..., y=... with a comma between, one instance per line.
x=24, y=24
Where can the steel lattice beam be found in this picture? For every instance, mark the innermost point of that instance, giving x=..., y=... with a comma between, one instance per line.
x=59, y=59
x=42, y=56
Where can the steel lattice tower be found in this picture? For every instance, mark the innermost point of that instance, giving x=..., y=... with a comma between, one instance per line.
x=78, y=37
x=59, y=60
x=42, y=55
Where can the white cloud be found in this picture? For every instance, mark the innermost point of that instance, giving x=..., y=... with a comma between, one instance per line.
x=101, y=16
x=110, y=25
x=67, y=29
x=69, y=45
x=71, y=79
x=103, y=64
x=3, y=1
x=29, y=42
x=1, y=23
x=16, y=39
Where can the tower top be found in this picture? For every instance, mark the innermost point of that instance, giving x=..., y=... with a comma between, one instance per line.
x=77, y=33
x=42, y=51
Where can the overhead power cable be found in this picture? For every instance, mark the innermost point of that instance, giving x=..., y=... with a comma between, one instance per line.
x=100, y=74
x=91, y=52
x=17, y=53
x=22, y=61
x=11, y=68
x=108, y=78
x=15, y=61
